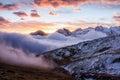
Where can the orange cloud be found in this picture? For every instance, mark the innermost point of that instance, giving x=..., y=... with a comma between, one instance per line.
x=4, y=21
x=116, y=17
x=34, y=13
x=20, y=14
x=28, y=27
x=70, y=3
x=52, y=14
x=57, y=3
x=8, y=6
x=112, y=1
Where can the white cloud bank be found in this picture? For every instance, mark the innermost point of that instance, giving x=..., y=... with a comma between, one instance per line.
x=14, y=56
x=20, y=49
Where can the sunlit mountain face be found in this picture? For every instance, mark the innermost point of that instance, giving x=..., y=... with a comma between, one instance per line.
x=26, y=16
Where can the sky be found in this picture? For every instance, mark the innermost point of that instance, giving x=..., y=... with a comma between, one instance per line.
x=26, y=16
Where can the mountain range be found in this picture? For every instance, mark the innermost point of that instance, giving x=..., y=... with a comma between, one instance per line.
x=83, y=54
x=95, y=59
x=108, y=31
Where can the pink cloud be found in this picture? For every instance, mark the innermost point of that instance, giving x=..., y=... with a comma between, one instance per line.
x=112, y=1
x=116, y=17
x=4, y=21
x=8, y=6
x=34, y=13
x=57, y=3
x=20, y=14
x=52, y=14
x=70, y=3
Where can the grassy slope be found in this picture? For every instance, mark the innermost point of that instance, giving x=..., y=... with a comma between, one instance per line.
x=9, y=72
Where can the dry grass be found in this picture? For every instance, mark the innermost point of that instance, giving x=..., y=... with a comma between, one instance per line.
x=9, y=72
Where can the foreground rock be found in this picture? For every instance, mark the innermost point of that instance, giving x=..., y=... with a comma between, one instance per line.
x=97, y=59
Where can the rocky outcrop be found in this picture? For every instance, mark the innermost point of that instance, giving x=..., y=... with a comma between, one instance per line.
x=95, y=58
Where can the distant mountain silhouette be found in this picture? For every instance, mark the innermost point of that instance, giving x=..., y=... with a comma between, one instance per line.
x=39, y=32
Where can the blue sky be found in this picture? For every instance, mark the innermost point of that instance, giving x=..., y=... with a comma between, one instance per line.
x=58, y=13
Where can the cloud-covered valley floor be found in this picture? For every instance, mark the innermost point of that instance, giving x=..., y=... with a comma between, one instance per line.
x=19, y=49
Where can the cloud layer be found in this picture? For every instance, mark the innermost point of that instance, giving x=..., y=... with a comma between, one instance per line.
x=53, y=3
x=40, y=44
x=17, y=49
x=21, y=50
x=15, y=56
x=25, y=42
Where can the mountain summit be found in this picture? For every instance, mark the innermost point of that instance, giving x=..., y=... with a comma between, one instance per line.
x=64, y=31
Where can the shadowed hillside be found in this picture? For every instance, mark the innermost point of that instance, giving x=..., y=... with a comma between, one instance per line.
x=9, y=72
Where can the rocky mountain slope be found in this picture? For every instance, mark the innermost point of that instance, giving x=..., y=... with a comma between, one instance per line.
x=109, y=31
x=98, y=59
